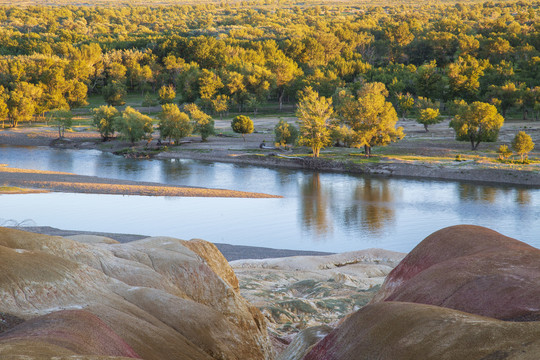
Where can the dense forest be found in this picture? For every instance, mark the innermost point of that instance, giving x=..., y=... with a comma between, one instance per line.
x=239, y=56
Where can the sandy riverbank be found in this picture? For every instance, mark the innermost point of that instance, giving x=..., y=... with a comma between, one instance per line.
x=66, y=182
x=419, y=155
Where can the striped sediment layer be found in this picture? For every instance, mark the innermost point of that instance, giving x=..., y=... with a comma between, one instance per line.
x=67, y=182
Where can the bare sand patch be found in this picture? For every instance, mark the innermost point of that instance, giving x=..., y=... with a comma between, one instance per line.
x=66, y=182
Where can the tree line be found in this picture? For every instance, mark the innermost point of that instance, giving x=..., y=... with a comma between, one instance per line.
x=241, y=56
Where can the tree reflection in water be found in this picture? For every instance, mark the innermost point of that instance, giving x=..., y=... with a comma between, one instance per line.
x=491, y=194
x=371, y=206
x=523, y=196
x=477, y=193
x=314, y=201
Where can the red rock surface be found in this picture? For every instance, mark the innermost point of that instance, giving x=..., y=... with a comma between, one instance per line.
x=447, y=299
x=472, y=269
x=408, y=331
x=77, y=331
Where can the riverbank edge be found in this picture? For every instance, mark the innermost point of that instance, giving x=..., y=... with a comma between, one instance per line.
x=458, y=172
x=468, y=171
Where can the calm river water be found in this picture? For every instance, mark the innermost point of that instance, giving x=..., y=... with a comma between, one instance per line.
x=319, y=211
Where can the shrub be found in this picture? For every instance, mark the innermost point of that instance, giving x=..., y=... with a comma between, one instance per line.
x=504, y=152
x=242, y=125
x=285, y=133
x=522, y=144
x=166, y=94
x=133, y=125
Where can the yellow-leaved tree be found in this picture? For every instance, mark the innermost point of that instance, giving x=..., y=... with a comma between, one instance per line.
x=314, y=113
x=370, y=116
x=476, y=122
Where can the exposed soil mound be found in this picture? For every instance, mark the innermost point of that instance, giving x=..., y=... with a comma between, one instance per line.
x=407, y=331
x=76, y=331
x=472, y=269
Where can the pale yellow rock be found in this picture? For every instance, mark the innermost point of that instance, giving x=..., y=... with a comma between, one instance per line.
x=302, y=291
x=159, y=296
x=92, y=239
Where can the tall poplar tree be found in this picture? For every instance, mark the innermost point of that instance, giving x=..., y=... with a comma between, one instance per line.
x=314, y=113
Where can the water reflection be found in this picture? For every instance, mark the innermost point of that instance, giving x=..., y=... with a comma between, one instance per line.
x=523, y=197
x=63, y=157
x=477, y=193
x=492, y=194
x=173, y=170
x=314, y=206
x=326, y=212
x=371, y=206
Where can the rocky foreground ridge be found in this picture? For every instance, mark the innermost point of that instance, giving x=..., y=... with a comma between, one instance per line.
x=465, y=292
x=156, y=298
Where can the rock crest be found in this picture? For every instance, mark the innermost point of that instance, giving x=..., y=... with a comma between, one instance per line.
x=447, y=299
x=155, y=298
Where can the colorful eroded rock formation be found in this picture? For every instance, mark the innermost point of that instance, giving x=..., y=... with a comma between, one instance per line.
x=472, y=269
x=150, y=299
x=447, y=300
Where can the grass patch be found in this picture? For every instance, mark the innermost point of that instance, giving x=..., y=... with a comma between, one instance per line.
x=364, y=160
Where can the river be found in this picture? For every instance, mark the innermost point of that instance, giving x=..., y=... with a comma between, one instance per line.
x=319, y=211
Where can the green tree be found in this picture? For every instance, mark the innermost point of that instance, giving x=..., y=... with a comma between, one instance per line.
x=187, y=82
x=477, y=122
x=428, y=116
x=173, y=124
x=202, y=122
x=104, y=119
x=342, y=133
x=209, y=84
x=285, y=70
x=507, y=94
x=4, y=111
x=285, y=133
x=405, y=103
x=23, y=102
x=166, y=94
x=75, y=94
x=398, y=37
x=63, y=119
x=253, y=103
x=235, y=86
x=242, y=124
x=220, y=104
x=370, y=116
x=115, y=93
x=314, y=113
x=428, y=112
x=464, y=77
x=429, y=81
x=522, y=144
x=133, y=125
x=149, y=101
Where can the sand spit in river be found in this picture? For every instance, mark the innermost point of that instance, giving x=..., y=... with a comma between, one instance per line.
x=65, y=182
